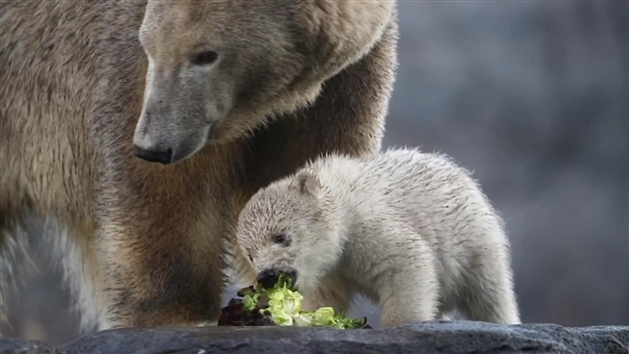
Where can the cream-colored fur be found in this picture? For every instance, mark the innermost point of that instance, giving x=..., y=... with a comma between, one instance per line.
x=412, y=231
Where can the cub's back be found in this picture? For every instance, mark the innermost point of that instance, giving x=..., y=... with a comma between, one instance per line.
x=408, y=175
x=427, y=189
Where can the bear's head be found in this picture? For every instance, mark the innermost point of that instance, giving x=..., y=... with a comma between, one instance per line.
x=291, y=227
x=217, y=69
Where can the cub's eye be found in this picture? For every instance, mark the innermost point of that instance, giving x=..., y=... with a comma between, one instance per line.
x=279, y=238
x=250, y=258
x=205, y=58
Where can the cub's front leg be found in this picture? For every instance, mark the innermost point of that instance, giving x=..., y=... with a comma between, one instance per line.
x=409, y=290
x=332, y=292
x=409, y=300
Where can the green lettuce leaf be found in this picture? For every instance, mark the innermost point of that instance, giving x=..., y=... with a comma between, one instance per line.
x=284, y=306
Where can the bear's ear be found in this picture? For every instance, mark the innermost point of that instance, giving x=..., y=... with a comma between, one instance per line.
x=307, y=182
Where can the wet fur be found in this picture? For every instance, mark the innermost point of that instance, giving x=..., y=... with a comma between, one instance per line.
x=142, y=243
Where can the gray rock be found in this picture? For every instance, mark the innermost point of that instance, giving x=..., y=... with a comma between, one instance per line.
x=22, y=346
x=434, y=337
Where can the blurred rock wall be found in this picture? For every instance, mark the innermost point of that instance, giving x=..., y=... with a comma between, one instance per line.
x=533, y=97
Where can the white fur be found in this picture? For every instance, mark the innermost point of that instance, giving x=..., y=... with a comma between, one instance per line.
x=412, y=231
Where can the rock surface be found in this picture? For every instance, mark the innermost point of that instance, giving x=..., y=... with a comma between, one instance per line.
x=433, y=337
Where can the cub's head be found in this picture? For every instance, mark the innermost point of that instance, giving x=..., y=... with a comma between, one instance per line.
x=291, y=227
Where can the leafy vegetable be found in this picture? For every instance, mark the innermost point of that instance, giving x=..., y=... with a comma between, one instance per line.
x=325, y=317
x=281, y=306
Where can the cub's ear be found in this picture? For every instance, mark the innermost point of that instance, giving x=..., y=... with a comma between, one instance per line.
x=307, y=182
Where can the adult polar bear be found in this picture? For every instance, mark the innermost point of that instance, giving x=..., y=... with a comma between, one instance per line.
x=140, y=241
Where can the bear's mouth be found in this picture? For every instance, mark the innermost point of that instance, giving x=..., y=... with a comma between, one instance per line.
x=211, y=131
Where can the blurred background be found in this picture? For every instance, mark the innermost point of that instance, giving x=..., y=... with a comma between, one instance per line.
x=533, y=97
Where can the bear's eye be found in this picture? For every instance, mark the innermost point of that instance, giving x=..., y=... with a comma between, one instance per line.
x=279, y=238
x=205, y=58
x=251, y=258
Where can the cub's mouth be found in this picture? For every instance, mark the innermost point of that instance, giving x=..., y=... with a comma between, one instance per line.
x=269, y=277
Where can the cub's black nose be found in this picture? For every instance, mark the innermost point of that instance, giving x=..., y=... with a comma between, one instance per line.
x=267, y=278
x=163, y=157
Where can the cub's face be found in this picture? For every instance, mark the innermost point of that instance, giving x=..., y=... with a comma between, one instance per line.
x=215, y=69
x=285, y=229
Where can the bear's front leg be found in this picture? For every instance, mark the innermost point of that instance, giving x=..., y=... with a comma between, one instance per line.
x=161, y=238
x=156, y=277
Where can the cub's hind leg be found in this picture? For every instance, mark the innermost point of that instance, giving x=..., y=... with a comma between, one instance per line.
x=488, y=294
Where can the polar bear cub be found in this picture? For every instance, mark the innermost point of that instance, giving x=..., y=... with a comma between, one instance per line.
x=411, y=231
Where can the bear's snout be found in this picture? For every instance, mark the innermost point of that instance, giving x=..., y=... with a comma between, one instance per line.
x=163, y=157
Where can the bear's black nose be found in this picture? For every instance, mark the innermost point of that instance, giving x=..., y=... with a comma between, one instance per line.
x=163, y=157
x=267, y=278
